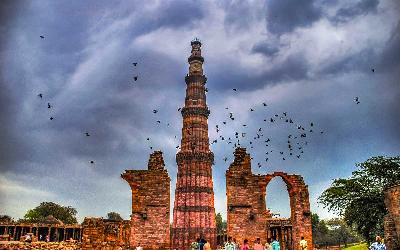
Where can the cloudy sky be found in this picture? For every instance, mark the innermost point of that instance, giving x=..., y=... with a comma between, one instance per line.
x=308, y=58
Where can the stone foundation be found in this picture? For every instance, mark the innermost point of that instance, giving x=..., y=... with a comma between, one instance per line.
x=40, y=245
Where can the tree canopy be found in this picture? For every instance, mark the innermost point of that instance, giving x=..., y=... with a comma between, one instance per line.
x=360, y=198
x=221, y=225
x=66, y=214
x=114, y=216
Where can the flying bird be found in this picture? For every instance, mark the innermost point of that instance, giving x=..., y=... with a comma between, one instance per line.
x=87, y=134
x=135, y=78
x=40, y=95
x=134, y=64
x=48, y=105
x=357, y=100
x=234, y=89
x=155, y=111
x=91, y=162
x=51, y=118
x=42, y=37
x=264, y=104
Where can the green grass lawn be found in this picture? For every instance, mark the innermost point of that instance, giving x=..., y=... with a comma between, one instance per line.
x=362, y=246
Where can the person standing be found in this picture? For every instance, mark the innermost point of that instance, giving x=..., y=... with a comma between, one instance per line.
x=206, y=245
x=245, y=245
x=195, y=244
x=236, y=244
x=268, y=245
x=229, y=245
x=139, y=247
x=257, y=245
x=378, y=245
x=275, y=244
x=201, y=244
x=303, y=244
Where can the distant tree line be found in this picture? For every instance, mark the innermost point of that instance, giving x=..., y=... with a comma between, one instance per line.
x=332, y=232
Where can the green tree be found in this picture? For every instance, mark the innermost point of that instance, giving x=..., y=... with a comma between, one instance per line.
x=319, y=230
x=221, y=224
x=66, y=214
x=360, y=198
x=341, y=233
x=5, y=218
x=114, y=216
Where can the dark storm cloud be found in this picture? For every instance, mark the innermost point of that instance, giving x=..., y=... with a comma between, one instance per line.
x=363, y=61
x=180, y=13
x=266, y=48
x=391, y=52
x=284, y=16
x=362, y=7
x=294, y=67
x=384, y=59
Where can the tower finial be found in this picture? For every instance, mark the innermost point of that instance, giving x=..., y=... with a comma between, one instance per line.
x=195, y=41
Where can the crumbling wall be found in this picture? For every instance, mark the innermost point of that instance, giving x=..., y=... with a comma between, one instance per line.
x=247, y=213
x=392, y=219
x=99, y=233
x=150, y=204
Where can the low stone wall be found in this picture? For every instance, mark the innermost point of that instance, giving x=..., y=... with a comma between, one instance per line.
x=39, y=245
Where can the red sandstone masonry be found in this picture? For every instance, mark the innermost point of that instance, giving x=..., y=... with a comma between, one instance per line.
x=194, y=213
x=150, y=204
x=392, y=219
x=246, y=205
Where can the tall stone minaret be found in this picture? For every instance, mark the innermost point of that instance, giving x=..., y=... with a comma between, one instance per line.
x=194, y=212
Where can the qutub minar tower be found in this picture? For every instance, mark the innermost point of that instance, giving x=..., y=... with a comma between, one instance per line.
x=194, y=212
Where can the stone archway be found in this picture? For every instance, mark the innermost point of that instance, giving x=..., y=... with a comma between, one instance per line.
x=247, y=216
x=300, y=215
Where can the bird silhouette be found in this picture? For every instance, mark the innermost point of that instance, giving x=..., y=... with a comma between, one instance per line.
x=87, y=134
x=135, y=78
x=155, y=111
x=357, y=100
x=134, y=64
x=264, y=104
x=91, y=162
x=48, y=105
x=42, y=37
x=40, y=95
x=234, y=89
x=51, y=118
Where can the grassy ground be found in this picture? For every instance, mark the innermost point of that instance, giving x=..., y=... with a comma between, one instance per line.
x=362, y=246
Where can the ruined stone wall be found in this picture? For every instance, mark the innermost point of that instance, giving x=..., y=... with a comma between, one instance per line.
x=150, y=204
x=247, y=213
x=99, y=233
x=392, y=219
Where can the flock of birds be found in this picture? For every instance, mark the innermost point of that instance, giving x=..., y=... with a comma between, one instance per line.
x=296, y=142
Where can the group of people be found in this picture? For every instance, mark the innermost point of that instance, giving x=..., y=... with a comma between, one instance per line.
x=200, y=244
x=269, y=245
